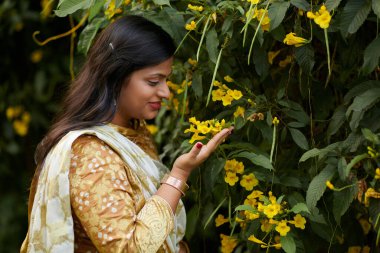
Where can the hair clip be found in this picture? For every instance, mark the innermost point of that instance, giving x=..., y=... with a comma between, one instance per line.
x=111, y=46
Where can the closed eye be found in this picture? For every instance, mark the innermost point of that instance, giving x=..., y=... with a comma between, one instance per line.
x=153, y=83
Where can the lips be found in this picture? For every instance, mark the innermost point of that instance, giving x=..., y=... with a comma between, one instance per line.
x=155, y=105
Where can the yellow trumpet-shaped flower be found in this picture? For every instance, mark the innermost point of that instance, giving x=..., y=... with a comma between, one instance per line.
x=231, y=178
x=195, y=7
x=249, y=181
x=191, y=26
x=228, y=243
x=239, y=112
x=228, y=79
x=220, y=220
x=112, y=10
x=282, y=228
x=292, y=40
x=254, y=239
x=377, y=176
x=298, y=221
x=330, y=185
x=322, y=17
x=275, y=121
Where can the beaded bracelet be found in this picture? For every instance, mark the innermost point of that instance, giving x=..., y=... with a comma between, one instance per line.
x=176, y=183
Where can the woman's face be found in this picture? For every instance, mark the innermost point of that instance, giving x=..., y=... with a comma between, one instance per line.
x=142, y=93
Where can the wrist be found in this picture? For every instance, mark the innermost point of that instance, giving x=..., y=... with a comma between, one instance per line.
x=180, y=174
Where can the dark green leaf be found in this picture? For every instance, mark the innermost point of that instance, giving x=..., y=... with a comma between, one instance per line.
x=332, y=4
x=376, y=7
x=288, y=244
x=305, y=57
x=212, y=44
x=371, y=56
x=88, y=34
x=319, y=152
x=360, y=88
x=95, y=9
x=296, y=124
x=66, y=7
x=374, y=138
x=318, y=186
x=301, y=4
x=245, y=208
x=300, y=207
x=260, y=59
x=276, y=13
x=299, y=138
x=259, y=160
x=354, y=14
x=336, y=121
x=354, y=161
x=342, y=201
x=161, y=2
x=342, y=165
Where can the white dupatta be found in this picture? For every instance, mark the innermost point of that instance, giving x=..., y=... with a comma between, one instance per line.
x=51, y=225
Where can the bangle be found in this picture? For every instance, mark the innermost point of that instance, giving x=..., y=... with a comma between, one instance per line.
x=176, y=183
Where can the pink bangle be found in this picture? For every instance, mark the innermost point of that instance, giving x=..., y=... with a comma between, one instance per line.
x=176, y=183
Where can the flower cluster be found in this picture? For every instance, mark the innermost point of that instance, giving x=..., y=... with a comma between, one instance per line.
x=260, y=14
x=228, y=243
x=239, y=112
x=372, y=152
x=321, y=17
x=292, y=40
x=225, y=94
x=201, y=128
x=20, y=118
x=233, y=167
x=191, y=26
x=370, y=193
x=178, y=88
x=112, y=10
x=195, y=7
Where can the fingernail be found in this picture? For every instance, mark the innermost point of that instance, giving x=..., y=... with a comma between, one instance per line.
x=199, y=145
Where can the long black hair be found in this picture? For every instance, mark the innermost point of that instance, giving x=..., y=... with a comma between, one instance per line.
x=128, y=44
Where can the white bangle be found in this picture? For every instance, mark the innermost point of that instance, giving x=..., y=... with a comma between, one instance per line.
x=176, y=183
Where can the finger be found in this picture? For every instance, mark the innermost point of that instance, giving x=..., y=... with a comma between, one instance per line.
x=196, y=149
x=218, y=139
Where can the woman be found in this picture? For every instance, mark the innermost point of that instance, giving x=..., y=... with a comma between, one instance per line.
x=98, y=186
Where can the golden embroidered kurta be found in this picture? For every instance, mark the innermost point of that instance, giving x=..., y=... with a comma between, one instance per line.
x=109, y=210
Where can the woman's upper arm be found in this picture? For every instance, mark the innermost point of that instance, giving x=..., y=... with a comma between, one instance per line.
x=109, y=203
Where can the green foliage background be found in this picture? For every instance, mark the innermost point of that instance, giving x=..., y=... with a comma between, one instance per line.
x=326, y=123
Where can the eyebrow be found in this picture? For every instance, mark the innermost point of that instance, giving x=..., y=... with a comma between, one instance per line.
x=161, y=75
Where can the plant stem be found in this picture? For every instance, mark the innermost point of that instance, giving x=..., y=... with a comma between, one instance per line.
x=214, y=212
x=328, y=56
x=203, y=35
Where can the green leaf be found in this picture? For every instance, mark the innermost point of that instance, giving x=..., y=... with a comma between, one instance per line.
x=300, y=207
x=276, y=13
x=288, y=244
x=318, y=186
x=342, y=201
x=259, y=160
x=374, y=138
x=260, y=60
x=319, y=152
x=354, y=161
x=161, y=2
x=336, y=121
x=371, y=56
x=66, y=7
x=354, y=14
x=301, y=4
x=95, y=9
x=361, y=104
x=196, y=84
x=360, y=88
x=342, y=165
x=245, y=208
x=296, y=124
x=212, y=44
x=305, y=57
x=332, y=4
x=88, y=34
x=299, y=138
x=376, y=7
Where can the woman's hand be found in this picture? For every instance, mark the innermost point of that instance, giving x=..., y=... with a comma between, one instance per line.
x=186, y=163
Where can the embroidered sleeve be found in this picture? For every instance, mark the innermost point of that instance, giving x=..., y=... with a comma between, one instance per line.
x=108, y=201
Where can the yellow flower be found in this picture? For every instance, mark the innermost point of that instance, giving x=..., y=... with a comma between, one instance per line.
x=265, y=225
x=217, y=95
x=228, y=243
x=126, y=2
x=234, y=166
x=228, y=79
x=195, y=7
x=251, y=215
x=191, y=26
x=235, y=94
x=285, y=62
x=354, y=249
x=252, y=238
x=255, y=194
x=217, y=83
x=299, y=221
x=231, y=178
x=366, y=249
x=192, y=62
x=196, y=137
x=253, y=1
x=227, y=99
x=282, y=228
x=13, y=112
x=112, y=10
x=377, y=176
x=272, y=55
x=25, y=117
x=249, y=181
x=272, y=210
x=220, y=220
x=321, y=17
x=292, y=40
x=152, y=129
x=330, y=185
x=20, y=127
x=36, y=56
x=275, y=121
x=239, y=112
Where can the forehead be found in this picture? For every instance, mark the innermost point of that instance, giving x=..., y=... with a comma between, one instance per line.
x=162, y=69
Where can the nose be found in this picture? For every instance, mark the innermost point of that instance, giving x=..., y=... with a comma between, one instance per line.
x=164, y=91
